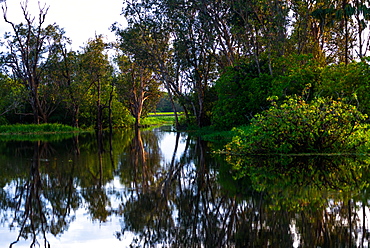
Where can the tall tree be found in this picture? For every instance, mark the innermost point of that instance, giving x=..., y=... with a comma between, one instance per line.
x=192, y=42
x=147, y=39
x=30, y=48
x=138, y=87
x=97, y=75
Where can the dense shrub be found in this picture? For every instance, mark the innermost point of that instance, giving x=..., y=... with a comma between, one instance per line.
x=350, y=82
x=241, y=92
x=296, y=126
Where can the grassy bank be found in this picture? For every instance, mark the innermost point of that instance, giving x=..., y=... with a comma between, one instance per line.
x=20, y=129
x=34, y=132
x=158, y=120
x=164, y=114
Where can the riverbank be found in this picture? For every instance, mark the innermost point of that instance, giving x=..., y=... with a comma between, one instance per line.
x=47, y=128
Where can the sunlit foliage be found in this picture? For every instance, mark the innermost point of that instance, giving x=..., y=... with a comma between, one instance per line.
x=297, y=126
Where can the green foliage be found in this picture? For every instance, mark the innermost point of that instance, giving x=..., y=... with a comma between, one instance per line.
x=351, y=82
x=242, y=90
x=293, y=73
x=12, y=97
x=121, y=115
x=242, y=93
x=296, y=126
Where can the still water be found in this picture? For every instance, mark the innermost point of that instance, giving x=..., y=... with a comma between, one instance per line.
x=165, y=189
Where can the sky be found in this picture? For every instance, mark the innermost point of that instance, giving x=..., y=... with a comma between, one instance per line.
x=81, y=19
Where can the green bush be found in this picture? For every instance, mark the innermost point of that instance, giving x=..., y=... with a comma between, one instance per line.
x=296, y=126
x=241, y=91
x=350, y=82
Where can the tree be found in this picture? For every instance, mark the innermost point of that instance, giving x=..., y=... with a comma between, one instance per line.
x=306, y=30
x=97, y=75
x=339, y=28
x=203, y=38
x=194, y=41
x=67, y=71
x=260, y=27
x=201, y=43
x=191, y=37
x=30, y=48
x=362, y=17
x=138, y=88
x=147, y=42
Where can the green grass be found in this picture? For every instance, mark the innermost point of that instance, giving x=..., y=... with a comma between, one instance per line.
x=34, y=132
x=36, y=129
x=157, y=120
x=164, y=114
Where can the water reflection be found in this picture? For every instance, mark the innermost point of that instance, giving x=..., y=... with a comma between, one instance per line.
x=321, y=201
x=190, y=198
x=37, y=203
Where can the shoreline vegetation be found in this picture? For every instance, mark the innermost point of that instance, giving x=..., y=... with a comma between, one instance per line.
x=159, y=119
x=45, y=131
x=29, y=129
x=37, y=132
x=153, y=119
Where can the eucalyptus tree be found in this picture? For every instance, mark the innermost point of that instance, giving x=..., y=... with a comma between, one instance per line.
x=138, y=85
x=66, y=71
x=96, y=75
x=30, y=47
x=195, y=52
x=261, y=29
x=304, y=34
x=361, y=18
x=147, y=40
x=333, y=31
x=191, y=48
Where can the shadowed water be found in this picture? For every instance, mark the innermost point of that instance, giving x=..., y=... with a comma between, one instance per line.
x=166, y=189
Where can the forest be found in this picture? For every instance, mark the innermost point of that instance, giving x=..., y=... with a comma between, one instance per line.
x=221, y=61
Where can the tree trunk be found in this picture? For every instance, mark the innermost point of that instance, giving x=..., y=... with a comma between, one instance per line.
x=99, y=114
x=76, y=111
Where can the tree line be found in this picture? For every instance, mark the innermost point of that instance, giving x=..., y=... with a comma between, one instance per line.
x=219, y=59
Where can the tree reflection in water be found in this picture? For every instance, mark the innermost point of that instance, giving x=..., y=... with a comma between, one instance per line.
x=313, y=200
x=183, y=206
x=40, y=204
x=274, y=202
x=194, y=199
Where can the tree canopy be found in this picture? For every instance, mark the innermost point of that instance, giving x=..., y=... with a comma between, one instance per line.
x=220, y=60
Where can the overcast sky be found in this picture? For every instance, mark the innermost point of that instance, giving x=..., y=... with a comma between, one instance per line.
x=81, y=19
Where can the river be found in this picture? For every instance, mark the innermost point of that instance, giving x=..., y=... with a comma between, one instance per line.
x=159, y=188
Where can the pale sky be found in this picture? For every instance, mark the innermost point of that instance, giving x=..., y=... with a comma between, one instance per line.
x=81, y=19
